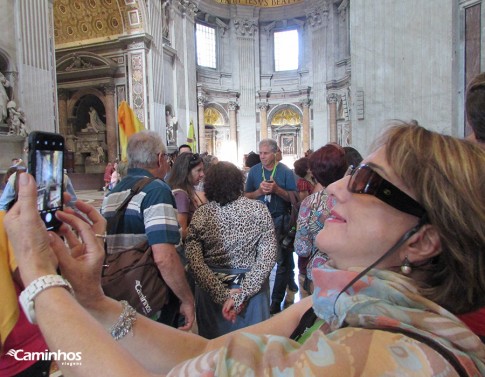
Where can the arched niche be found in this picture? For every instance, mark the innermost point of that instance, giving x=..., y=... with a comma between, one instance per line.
x=285, y=122
x=216, y=122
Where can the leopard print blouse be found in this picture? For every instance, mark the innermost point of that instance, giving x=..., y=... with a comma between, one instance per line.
x=239, y=234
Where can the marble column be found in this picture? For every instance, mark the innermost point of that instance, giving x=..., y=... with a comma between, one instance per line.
x=111, y=134
x=263, y=114
x=306, y=125
x=201, y=100
x=233, y=106
x=62, y=95
x=232, y=121
x=332, y=111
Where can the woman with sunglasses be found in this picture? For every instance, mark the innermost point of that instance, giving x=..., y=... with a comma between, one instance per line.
x=186, y=173
x=406, y=241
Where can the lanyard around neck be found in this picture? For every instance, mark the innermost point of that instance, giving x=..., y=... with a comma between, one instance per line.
x=272, y=172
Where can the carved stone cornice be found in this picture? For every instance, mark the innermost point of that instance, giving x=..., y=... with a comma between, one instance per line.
x=232, y=106
x=245, y=27
x=318, y=16
x=332, y=98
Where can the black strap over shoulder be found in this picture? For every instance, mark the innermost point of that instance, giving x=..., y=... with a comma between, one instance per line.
x=115, y=221
x=308, y=319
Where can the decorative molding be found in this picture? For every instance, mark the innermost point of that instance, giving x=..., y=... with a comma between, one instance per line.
x=232, y=106
x=332, y=98
x=109, y=90
x=263, y=106
x=245, y=27
x=188, y=9
x=307, y=102
x=359, y=103
x=137, y=86
x=201, y=100
x=318, y=16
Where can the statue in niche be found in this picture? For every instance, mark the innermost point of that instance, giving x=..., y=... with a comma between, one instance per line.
x=165, y=20
x=16, y=120
x=172, y=124
x=95, y=123
x=3, y=97
x=96, y=157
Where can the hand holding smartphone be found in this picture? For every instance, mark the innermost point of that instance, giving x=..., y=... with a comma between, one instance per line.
x=46, y=164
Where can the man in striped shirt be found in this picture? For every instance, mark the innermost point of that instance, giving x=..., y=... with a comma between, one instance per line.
x=151, y=215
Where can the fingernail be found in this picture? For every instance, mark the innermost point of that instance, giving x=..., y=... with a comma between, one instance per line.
x=23, y=179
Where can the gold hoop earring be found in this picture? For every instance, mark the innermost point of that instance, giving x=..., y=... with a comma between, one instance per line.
x=406, y=266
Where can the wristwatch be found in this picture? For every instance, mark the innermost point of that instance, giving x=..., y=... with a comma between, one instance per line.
x=34, y=288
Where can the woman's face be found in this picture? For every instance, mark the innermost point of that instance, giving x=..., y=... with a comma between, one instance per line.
x=196, y=174
x=361, y=227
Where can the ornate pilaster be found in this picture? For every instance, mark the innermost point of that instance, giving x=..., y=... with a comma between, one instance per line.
x=201, y=101
x=306, y=124
x=263, y=115
x=111, y=136
x=62, y=96
x=332, y=99
x=233, y=106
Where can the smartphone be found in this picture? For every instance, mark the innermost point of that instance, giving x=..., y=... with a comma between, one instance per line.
x=46, y=164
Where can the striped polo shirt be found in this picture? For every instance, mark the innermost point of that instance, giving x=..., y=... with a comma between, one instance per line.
x=150, y=215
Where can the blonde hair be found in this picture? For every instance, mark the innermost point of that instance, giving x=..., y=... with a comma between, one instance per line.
x=447, y=177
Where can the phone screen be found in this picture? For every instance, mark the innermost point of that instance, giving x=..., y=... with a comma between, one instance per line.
x=46, y=155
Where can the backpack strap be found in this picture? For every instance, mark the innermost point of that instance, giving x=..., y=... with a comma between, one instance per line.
x=114, y=221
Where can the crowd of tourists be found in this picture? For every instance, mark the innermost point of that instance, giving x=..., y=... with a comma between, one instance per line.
x=391, y=248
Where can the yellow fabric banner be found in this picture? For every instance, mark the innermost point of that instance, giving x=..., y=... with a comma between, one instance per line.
x=191, y=140
x=128, y=124
x=9, y=308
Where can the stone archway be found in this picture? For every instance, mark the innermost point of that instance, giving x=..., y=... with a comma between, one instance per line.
x=285, y=121
x=86, y=139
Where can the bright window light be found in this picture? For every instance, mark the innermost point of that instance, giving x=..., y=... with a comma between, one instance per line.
x=206, y=45
x=286, y=50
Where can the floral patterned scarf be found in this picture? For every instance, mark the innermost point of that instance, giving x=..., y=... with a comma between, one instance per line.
x=387, y=299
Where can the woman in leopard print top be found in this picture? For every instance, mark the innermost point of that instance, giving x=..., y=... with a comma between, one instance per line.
x=231, y=249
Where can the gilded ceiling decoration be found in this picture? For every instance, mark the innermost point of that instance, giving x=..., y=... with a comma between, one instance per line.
x=260, y=3
x=83, y=20
x=286, y=117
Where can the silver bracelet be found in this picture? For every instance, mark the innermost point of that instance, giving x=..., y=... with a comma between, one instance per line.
x=125, y=322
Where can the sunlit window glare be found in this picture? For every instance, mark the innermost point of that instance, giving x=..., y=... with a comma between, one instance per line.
x=206, y=46
x=286, y=50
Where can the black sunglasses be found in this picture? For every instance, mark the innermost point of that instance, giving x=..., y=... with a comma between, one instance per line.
x=194, y=160
x=365, y=180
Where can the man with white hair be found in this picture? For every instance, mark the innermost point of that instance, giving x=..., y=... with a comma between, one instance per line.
x=151, y=215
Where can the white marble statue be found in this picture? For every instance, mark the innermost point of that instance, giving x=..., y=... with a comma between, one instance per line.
x=3, y=97
x=95, y=123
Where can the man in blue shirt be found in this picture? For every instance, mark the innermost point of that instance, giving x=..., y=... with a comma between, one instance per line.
x=269, y=181
x=151, y=215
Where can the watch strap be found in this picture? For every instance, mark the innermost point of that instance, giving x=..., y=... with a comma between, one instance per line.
x=35, y=287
